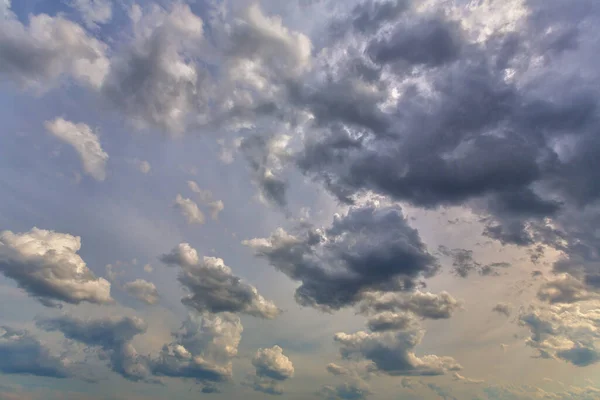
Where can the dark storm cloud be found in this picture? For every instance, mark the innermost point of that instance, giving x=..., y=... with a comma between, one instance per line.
x=212, y=287
x=429, y=41
x=369, y=249
x=486, y=129
x=21, y=353
x=111, y=335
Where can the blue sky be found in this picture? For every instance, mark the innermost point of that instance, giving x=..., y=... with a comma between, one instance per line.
x=382, y=199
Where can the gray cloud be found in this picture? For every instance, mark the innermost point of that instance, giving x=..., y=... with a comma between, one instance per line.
x=142, y=290
x=503, y=308
x=46, y=265
x=49, y=49
x=112, y=335
x=353, y=390
x=152, y=82
x=212, y=287
x=202, y=350
x=564, y=289
x=563, y=332
x=21, y=353
x=422, y=304
x=389, y=321
x=369, y=248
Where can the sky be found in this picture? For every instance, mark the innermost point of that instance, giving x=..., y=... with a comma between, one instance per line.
x=303, y=199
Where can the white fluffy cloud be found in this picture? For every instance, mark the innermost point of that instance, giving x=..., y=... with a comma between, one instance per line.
x=85, y=142
x=189, y=209
x=142, y=290
x=37, y=55
x=46, y=265
x=272, y=363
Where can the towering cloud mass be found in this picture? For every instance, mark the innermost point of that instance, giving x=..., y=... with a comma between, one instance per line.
x=212, y=287
x=47, y=266
x=369, y=248
x=85, y=142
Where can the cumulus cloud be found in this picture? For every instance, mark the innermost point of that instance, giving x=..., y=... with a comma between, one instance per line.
x=564, y=289
x=21, y=353
x=212, y=287
x=202, y=349
x=389, y=321
x=46, y=265
x=370, y=248
x=49, y=49
x=564, y=332
x=206, y=198
x=189, y=209
x=142, y=290
x=272, y=363
x=111, y=335
x=152, y=82
x=271, y=368
x=85, y=142
x=393, y=352
x=422, y=304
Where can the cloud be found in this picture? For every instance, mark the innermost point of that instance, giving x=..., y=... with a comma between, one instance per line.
x=94, y=12
x=21, y=353
x=212, y=287
x=202, y=350
x=142, y=290
x=389, y=321
x=50, y=49
x=143, y=166
x=266, y=156
x=440, y=391
x=502, y=308
x=46, y=265
x=337, y=370
x=85, y=142
x=422, y=304
x=153, y=82
x=189, y=209
x=563, y=332
x=564, y=289
x=368, y=249
x=459, y=377
x=112, y=335
x=272, y=363
x=206, y=197
x=353, y=390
